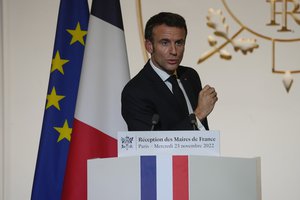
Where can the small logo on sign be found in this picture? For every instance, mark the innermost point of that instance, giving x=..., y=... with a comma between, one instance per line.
x=126, y=142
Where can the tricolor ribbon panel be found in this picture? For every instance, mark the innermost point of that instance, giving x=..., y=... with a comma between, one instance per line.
x=164, y=178
x=167, y=177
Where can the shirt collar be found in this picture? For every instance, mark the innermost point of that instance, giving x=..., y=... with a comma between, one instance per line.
x=161, y=73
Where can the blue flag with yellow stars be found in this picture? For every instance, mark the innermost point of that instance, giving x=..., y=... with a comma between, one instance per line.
x=65, y=71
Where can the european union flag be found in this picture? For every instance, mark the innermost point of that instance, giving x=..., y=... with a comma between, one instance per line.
x=61, y=99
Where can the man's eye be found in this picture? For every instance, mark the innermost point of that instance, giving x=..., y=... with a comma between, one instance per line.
x=179, y=43
x=164, y=43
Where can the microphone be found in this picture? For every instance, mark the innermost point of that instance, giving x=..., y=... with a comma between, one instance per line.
x=154, y=121
x=193, y=120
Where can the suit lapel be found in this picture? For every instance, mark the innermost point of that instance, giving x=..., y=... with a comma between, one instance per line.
x=160, y=86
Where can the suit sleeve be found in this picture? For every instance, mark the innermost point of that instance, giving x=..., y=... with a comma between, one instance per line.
x=197, y=86
x=136, y=111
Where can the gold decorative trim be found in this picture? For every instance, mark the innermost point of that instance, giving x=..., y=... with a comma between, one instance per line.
x=273, y=40
x=274, y=64
x=217, y=22
x=252, y=31
x=141, y=28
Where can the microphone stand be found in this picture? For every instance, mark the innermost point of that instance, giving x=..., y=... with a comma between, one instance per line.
x=155, y=119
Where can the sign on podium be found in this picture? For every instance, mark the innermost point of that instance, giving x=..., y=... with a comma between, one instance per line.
x=168, y=143
x=173, y=165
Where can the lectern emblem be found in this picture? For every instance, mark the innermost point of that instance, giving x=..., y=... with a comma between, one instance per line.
x=126, y=142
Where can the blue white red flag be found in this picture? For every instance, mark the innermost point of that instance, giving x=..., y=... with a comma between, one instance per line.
x=98, y=111
x=164, y=178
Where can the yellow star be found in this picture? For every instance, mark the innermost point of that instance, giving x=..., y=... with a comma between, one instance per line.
x=53, y=99
x=57, y=63
x=77, y=34
x=64, y=132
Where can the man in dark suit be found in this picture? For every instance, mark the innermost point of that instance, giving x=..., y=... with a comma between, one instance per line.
x=152, y=91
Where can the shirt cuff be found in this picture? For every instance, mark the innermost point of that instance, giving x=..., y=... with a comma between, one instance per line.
x=200, y=125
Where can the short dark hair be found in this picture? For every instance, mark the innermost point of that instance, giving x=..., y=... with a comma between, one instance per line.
x=167, y=18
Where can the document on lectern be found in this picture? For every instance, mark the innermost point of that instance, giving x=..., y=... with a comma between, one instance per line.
x=135, y=143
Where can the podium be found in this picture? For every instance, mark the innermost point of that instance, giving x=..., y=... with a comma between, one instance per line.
x=174, y=177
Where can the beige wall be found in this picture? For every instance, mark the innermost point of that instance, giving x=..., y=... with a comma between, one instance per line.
x=254, y=113
x=1, y=108
x=29, y=28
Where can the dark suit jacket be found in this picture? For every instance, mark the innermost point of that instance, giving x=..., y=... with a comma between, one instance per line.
x=146, y=94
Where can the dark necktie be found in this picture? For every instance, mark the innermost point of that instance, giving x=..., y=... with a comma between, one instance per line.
x=178, y=92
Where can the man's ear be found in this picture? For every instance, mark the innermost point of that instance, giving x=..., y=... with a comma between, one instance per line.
x=149, y=46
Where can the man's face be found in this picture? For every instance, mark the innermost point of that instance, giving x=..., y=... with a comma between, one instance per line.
x=167, y=47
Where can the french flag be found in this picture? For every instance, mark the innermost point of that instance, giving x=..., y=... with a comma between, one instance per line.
x=98, y=110
x=164, y=178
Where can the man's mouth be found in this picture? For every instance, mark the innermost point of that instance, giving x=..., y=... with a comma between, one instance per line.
x=172, y=62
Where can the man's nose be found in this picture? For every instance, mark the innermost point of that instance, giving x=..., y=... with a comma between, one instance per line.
x=173, y=49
